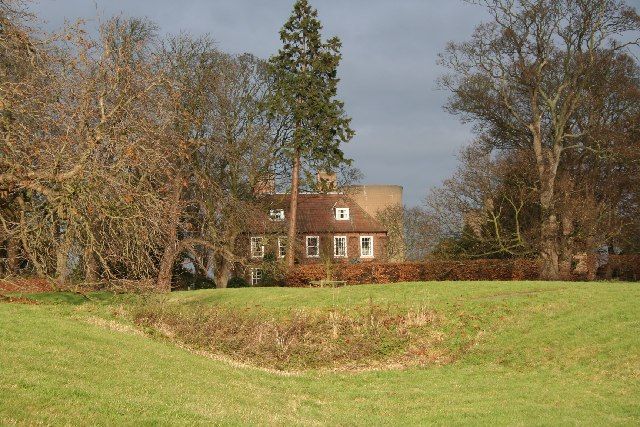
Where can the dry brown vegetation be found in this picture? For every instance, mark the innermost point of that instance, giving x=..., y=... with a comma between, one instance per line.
x=365, y=337
x=124, y=153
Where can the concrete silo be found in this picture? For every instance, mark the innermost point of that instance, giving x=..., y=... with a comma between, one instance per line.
x=375, y=199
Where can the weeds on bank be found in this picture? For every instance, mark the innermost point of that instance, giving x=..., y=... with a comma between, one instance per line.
x=355, y=338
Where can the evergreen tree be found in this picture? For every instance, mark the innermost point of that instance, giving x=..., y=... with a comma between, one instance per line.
x=305, y=88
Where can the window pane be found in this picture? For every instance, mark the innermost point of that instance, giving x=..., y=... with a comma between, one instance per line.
x=276, y=214
x=366, y=246
x=256, y=276
x=257, y=247
x=313, y=249
x=340, y=246
x=342, y=213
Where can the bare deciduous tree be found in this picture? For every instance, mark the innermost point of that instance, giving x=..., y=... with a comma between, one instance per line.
x=523, y=79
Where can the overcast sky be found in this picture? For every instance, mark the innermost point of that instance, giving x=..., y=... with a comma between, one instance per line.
x=388, y=73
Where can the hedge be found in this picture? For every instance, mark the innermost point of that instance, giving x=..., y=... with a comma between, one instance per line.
x=355, y=274
x=622, y=267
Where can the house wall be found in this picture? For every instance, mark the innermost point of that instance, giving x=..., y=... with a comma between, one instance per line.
x=326, y=247
x=326, y=250
x=353, y=248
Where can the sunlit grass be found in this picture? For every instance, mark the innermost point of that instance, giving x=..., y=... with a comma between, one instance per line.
x=547, y=353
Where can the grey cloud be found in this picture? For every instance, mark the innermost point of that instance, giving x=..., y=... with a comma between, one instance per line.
x=388, y=71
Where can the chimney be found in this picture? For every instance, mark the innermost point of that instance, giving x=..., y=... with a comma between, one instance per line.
x=327, y=181
x=265, y=186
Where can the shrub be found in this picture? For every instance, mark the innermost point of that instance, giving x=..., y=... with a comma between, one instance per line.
x=272, y=271
x=184, y=279
x=237, y=282
x=623, y=267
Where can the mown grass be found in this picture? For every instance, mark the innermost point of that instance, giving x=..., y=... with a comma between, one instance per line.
x=547, y=353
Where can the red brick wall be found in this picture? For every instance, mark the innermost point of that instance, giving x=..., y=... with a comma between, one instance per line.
x=326, y=247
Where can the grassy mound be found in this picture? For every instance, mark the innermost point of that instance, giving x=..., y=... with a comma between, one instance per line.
x=357, y=338
x=540, y=353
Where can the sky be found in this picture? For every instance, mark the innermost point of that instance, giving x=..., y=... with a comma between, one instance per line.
x=388, y=73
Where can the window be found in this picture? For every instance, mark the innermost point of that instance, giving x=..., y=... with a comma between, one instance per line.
x=313, y=246
x=257, y=247
x=276, y=214
x=342, y=214
x=256, y=276
x=366, y=246
x=282, y=247
x=340, y=246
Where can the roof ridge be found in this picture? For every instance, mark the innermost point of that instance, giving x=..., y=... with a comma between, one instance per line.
x=316, y=212
x=365, y=213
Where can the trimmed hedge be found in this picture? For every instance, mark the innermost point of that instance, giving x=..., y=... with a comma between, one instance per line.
x=354, y=274
x=622, y=267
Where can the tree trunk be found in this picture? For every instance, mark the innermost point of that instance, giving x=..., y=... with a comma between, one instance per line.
x=166, y=269
x=222, y=272
x=547, y=162
x=550, y=269
x=567, y=245
x=549, y=250
x=90, y=266
x=165, y=273
x=565, y=264
x=62, y=259
x=13, y=255
x=24, y=240
x=293, y=211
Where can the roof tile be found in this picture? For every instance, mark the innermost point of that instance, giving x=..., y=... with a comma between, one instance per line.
x=316, y=215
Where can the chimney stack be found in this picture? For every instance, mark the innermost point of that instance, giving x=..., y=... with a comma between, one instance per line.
x=327, y=181
x=265, y=186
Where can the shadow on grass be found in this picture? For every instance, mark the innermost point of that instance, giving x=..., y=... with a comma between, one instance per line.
x=69, y=298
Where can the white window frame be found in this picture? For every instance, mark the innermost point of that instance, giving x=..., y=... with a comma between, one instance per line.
x=362, y=254
x=335, y=246
x=282, y=244
x=276, y=215
x=256, y=276
x=317, y=246
x=339, y=214
x=253, y=246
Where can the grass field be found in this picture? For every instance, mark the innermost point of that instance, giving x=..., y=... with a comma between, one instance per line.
x=541, y=353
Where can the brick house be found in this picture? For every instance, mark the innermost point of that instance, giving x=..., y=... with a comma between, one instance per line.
x=332, y=228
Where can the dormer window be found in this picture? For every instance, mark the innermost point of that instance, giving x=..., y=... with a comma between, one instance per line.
x=276, y=214
x=342, y=214
x=257, y=247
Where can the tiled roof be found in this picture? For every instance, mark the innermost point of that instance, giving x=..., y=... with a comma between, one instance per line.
x=316, y=215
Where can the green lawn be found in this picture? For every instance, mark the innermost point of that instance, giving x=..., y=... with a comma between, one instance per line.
x=546, y=353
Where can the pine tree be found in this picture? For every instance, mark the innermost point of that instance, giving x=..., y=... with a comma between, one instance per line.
x=305, y=89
